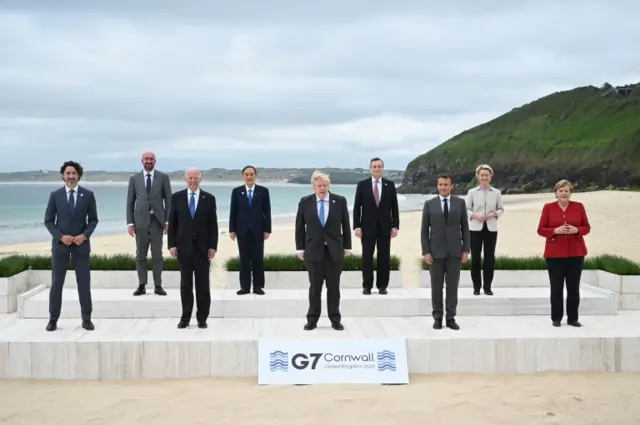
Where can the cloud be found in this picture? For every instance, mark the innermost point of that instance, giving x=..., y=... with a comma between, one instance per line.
x=289, y=83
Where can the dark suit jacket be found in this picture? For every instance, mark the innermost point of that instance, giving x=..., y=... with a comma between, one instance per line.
x=257, y=215
x=367, y=215
x=311, y=236
x=442, y=237
x=200, y=232
x=59, y=221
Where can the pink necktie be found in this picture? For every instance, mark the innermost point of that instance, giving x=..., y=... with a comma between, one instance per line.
x=376, y=193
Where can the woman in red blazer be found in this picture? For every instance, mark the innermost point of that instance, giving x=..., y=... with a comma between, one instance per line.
x=564, y=224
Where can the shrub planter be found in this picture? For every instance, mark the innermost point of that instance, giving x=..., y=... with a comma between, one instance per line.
x=10, y=288
x=287, y=271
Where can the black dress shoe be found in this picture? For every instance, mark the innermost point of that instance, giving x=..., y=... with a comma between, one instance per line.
x=310, y=326
x=183, y=324
x=258, y=291
x=383, y=291
x=366, y=291
x=556, y=323
x=140, y=291
x=476, y=292
x=575, y=324
x=437, y=324
x=242, y=292
x=88, y=325
x=202, y=325
x=451, y=324
x=337, y=326
x=158, y=290
x=488, y=292
x=52, y=325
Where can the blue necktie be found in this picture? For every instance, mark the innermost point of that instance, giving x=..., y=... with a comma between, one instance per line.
x=72, y=203
x=192, y=204
x=250, y=196
x=322, y=212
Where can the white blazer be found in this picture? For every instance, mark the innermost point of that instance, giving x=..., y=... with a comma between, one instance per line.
x=484, y=202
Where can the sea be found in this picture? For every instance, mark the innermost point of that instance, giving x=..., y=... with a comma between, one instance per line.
x=22, y=205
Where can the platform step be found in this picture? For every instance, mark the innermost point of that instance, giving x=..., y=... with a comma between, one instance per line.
x=155, y=348
x=120, y=303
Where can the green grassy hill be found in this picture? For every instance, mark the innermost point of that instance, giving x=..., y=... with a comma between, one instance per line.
x=588, y=135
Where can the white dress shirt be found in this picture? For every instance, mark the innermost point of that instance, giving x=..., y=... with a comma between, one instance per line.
x=442, y=198
x=481, y=201
x=75, y=194
x=373, y=186
x=197, y=196
x=153, y=174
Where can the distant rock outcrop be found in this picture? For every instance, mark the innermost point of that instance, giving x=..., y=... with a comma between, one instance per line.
x=589, y=135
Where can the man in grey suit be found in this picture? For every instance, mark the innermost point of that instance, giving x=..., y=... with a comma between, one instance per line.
x=323, y=238
x=445, y=246
x=71, y=217
x=148, y=207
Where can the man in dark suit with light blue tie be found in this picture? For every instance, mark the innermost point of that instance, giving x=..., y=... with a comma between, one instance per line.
x=71, y=218
x=250, y=224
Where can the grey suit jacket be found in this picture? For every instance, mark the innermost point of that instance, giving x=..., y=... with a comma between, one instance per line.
x=59, y=221
x=139, y=203
x=442, y=237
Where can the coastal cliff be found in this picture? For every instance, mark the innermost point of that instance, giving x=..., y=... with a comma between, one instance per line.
x=588, y=135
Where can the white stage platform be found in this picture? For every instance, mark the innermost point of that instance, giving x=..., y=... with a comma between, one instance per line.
x=293, y=303
x=155, y=348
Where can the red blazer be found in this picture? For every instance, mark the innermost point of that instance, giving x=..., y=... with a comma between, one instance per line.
x=562, y=246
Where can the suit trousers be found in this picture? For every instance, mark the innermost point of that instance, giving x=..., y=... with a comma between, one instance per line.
x=482, y=268
x=329, y=271
x=196, y=264
x=81, y=260
x=152, y=235
x=565, y=271
x=251, y=250
x=379, y=238
x=445, y=270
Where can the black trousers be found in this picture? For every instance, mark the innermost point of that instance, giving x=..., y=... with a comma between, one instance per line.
x=197, y=265
x=251, y=250
x=565, y=271
x=328, y=271
x=81, y=260
x=380, y=238
x=482, y=273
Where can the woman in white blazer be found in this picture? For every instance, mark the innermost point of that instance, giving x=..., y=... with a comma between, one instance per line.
x=484, y=208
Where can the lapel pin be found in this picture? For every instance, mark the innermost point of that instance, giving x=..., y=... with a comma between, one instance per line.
x=334, y=201
x=81, y=195
x=241, y=193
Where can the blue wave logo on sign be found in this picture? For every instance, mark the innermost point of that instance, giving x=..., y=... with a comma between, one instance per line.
x=279, y=361
x=386, y=361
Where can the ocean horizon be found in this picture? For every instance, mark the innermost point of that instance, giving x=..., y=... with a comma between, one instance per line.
x=23, y=205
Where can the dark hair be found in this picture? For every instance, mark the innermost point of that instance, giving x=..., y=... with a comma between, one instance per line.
x=250, y=166
x=73, y=164
x=374, y=160
x=445, y=176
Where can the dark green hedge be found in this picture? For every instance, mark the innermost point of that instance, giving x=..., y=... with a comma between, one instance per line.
x=15, y=264
x=292, y=263
x=609, y=263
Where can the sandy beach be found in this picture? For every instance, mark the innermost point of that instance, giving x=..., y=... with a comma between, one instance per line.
x=565, y=399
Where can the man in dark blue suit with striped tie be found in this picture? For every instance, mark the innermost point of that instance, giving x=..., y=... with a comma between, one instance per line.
x=71, y=217
x=250, y=224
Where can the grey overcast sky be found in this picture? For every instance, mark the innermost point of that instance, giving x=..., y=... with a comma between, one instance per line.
x=286, y=83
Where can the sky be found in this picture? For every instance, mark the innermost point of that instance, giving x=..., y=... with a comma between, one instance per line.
x=285, y=83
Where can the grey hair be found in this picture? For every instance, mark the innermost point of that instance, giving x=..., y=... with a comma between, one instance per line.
x=192, y=169
x=484, y=167
x=320, y=175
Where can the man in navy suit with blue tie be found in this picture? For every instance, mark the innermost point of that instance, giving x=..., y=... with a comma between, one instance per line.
x=250, y=225
x=71, y=218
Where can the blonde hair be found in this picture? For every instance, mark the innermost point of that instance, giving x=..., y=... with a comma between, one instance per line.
x=484, y=167
x=562, y=183
x=320, y=175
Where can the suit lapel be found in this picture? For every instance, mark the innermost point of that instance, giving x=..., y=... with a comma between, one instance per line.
x=155, y=183
x=200, y=204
